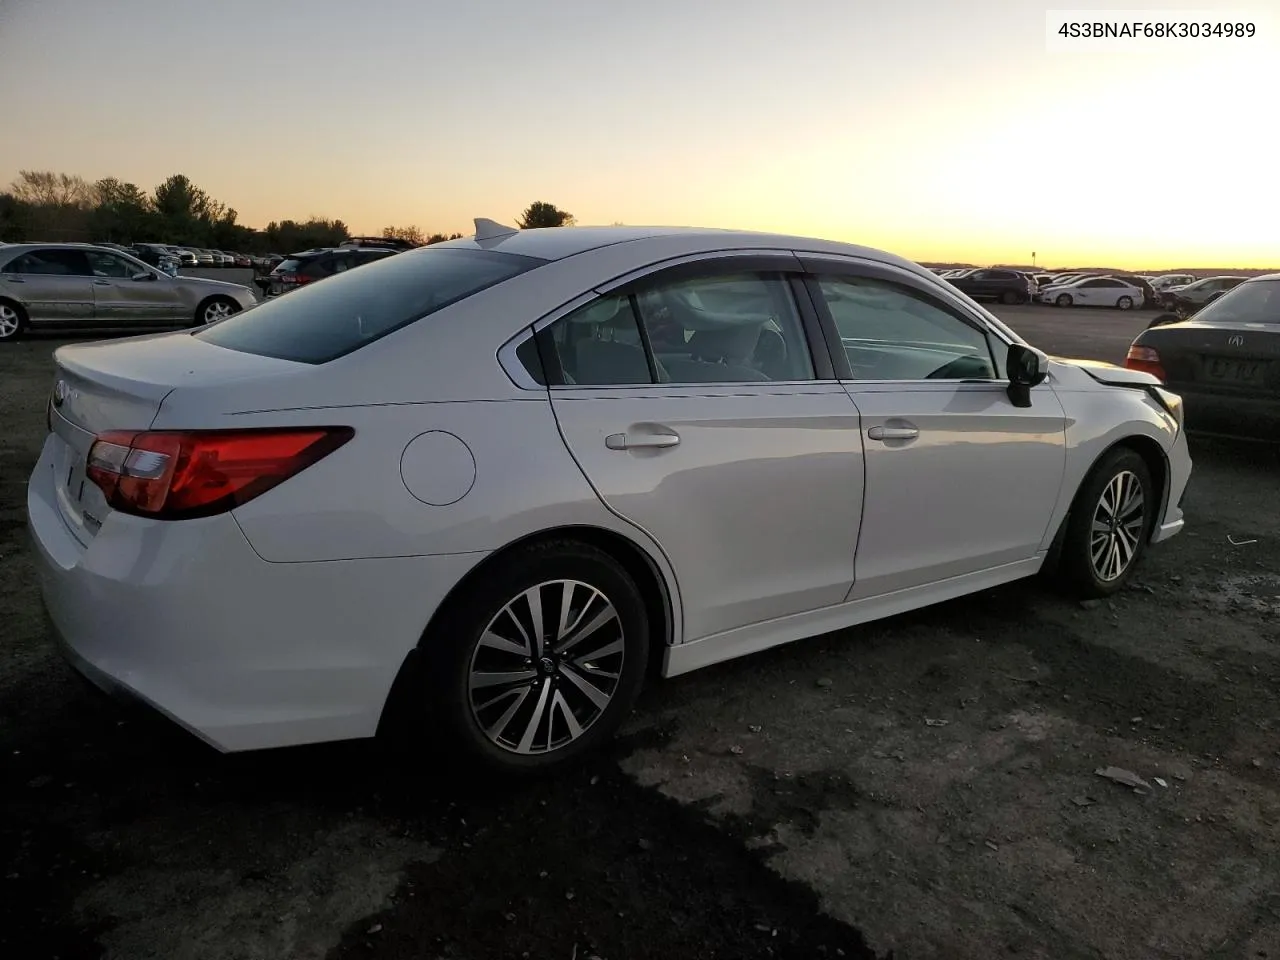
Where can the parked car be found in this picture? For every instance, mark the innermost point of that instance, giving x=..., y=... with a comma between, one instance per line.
x=242, y=260
x=1094, y=292
x=1168, y=280
x=1007, y=286
x=1185, y=301
x=299, y=269
x=1224, y=361
x=301, y=509
x=1148, y=292
x=204, y=258
x=80, y=286
x=156, y=255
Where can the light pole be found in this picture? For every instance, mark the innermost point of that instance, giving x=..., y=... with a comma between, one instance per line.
x=1033, y=259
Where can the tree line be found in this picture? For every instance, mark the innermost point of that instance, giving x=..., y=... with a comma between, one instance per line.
x=42, y=205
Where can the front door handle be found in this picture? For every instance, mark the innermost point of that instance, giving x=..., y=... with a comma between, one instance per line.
x=102, y=283
x=893, y=433
x=624, y=441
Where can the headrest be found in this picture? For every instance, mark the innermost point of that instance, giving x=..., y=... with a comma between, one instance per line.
x=734, y=343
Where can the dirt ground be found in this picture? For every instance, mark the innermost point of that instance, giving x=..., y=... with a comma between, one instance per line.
x=924, y=786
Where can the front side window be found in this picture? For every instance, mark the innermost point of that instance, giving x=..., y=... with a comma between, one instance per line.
x=51, y=263
x=892, y=332
x=739, y=328
x=324, y=321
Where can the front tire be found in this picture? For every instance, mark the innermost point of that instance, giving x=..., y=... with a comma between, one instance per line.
x=1109, y=525
x=13, y=320
x=215, y=309
x=538, y=662
x=1064, y=300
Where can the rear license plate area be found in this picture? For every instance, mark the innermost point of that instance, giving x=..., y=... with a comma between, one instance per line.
x=1246, y=373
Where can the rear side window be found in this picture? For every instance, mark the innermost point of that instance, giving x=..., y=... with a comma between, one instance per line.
x=1256, y=302
x=324, y=321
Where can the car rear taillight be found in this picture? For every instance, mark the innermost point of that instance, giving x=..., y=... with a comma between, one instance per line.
x=178, y=475
x=1146, y=359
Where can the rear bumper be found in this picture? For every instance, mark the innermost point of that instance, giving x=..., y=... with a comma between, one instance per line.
x=1245, y=418
x=243, y=653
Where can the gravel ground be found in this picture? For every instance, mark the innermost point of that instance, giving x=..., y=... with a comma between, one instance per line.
x=924, y=785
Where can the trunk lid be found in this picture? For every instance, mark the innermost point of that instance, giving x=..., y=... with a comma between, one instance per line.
x=120, y=385
x=1242, y=359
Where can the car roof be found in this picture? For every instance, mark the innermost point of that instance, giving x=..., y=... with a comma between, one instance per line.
x=35, y=245
x=557, y=243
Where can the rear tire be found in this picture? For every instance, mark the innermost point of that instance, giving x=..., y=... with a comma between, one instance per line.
x=1109, y=525
x=1009, y=298
x=564, y=694
x=13, y=320
x=1124, y=303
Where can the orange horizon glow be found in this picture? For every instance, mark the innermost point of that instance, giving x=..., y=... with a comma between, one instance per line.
x=926, y=129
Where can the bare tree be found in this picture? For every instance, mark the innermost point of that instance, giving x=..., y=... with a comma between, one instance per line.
x=44, y=188
x=410, y=234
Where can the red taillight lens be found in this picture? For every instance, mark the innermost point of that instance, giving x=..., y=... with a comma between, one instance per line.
x=1145, y=359
x=179, y=475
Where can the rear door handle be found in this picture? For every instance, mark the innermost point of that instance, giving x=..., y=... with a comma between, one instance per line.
x=893, y=433
x=623, y=441
x=102, y=283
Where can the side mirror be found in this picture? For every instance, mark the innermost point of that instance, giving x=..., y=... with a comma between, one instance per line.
x=146, y=275
x=1027, y=368
x=1164, y=318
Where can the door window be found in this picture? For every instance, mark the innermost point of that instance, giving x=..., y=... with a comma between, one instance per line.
x=891, y=332
x=51, y=263
x=109, y=265
x=722, y=328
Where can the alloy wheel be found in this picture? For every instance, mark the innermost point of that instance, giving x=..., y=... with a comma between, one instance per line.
x=218, y=310
x=10, y=322
x=546, y=667
x=1118, y=522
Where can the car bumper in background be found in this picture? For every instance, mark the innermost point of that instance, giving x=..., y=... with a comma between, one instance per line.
x=245, y=654
x=1230, y=415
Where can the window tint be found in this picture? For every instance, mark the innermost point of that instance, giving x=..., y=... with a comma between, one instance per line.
x=1256, y=302
x=51, y=263
x=740, y=328
x=322, y=322
x=599, y=345
x=891, y=332
x=109, y=265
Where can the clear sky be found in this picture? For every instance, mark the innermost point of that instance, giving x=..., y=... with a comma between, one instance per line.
x=939, y=129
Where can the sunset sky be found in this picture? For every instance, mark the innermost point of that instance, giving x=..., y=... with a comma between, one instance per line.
x=937, y=129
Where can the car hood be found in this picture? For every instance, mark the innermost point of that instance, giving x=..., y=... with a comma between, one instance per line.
x=1107, y=373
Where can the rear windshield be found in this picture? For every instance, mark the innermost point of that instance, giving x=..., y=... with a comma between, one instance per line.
x=1255, y=302
x=288, y=266
x=324, y=321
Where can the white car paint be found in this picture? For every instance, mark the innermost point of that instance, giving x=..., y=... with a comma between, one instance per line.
x=1094, y=292
x=778, y=514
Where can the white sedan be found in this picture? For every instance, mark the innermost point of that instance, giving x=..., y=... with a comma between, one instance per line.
x=482, y=488
x=1094, y=292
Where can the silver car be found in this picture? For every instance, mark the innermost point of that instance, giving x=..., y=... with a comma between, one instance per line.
x=74, y=286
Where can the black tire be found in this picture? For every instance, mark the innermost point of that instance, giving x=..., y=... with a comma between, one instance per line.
x=452, y=649
x=16, y=324
x=1063, y=300
x=1077, y=566
x=1124, y=303
x=1010, y=297
x=209, y=305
